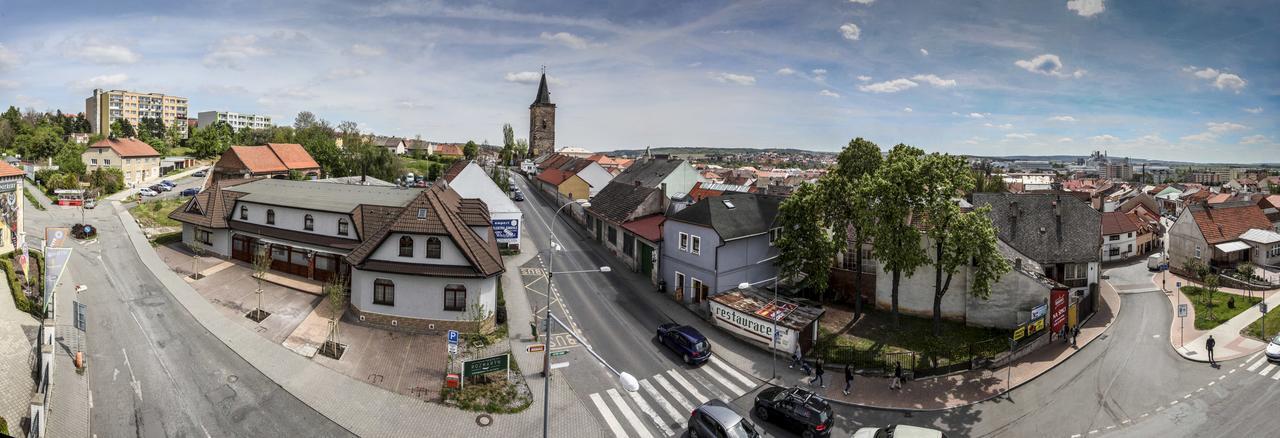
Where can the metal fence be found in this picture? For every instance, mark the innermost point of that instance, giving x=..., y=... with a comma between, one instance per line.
x=917, y=364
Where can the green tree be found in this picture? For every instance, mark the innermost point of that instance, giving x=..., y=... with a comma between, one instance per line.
x=42, y=142
x=805, y=246
x=122, y=128
x=172, y=139
x=522, y=147
x=304, y=120
x=368, y=159
x=897, y=188
x=970, y=239
x=470, y=150
x=70, y=160
x=508, y=144
x=7, y=134
x=348, y=128
x=210, y=141
x=107, y=180
x=848, y=206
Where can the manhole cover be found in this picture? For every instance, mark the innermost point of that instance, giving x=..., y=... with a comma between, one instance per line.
x=484, y=420
x=232, y=378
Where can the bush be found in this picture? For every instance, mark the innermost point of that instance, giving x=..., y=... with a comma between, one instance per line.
x=20, y=300
x=494, y=398
x=107, y=181
x=167, y=238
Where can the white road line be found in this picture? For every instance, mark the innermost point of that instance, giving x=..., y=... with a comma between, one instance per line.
x=1144, y=415
x=1213, y=383
x=1255, y=365
x=1255, y=356
x=1231, y=372
x=1186, y=396
x=1173, y=403
x=1093, y=431
x=627, y=413
x=710, y=388
x=1110, y=427
x=733, y=389
x=1268, y=369
x=732, y=373
x=608, y=416
x=697, y=396
x=648, y=410
x=1275, y=376
x=1125, y=422
x=1075, y=436
x=680, y=398
x=1222, y=377
x=662, y=402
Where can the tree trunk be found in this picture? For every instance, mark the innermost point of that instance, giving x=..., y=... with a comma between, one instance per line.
x=857, y=285
x=897, y=276
x=937, y=289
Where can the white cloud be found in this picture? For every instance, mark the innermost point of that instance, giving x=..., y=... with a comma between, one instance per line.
x=1047, y=64
x=934, y=80
x=1005, y=126
x=1065, y=140
x=1068, y=119
x=864, y=78
x=977, y=115
x=366, y=50
x=569, y=40
x=1201, y=137
x=819, y=72
x=1225, y=126
x=345, y=73
x=6, y=84
x=862, y=2
x=1086, y=8
x=850, y=31
x=907, y=109
x=234, y=50
x=924, y=52
x=8, y=58
x=1206, y=73
x=974, y=140
x=828, y=93
x=1019, y=136
x=1104, y=138
x=786, y=71
x=734, y=78
x=98, y=52
x=1229, y=81
x=893, y=86
x=1255, y=139
x=1254, y=110
x=103, y=81
x=529, y=77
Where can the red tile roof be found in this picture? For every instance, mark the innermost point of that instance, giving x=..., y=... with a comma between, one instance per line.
x=274, y=157
x=293, y=155
x=448, y=149
x=648, y=227
x=553, y=176
x=1226, y=222
x=7, y=170
x=1116, y=222
x=455, y=169
x=127, y=147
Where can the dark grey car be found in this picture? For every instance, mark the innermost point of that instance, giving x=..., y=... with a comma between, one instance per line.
x=715, y=419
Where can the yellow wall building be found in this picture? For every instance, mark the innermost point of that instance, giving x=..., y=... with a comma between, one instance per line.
x=105, y=107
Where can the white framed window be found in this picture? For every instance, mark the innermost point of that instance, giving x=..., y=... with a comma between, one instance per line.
x=1197, y=252
x=695, y=244
x=774, y=235
x=684, y=241
x=679, y=280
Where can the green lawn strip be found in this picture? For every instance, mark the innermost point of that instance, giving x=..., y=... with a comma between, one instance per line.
x=1272, y=321
x=152, y=214
x=1213, y=314
x=874, y=337
x=33, y=200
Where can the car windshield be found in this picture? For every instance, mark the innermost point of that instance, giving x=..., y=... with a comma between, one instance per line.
x=700, y=346
x=1276, y=340
x=742, y=430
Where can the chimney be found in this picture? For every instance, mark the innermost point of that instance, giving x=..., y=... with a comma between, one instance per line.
x=664, y=190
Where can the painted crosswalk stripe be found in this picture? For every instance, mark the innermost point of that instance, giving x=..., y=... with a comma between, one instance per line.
x=1268, y=369
x=608, y=415
x=628, y=414
x=648, y=410
x=723, y=381
x=709, y=387
x=671, y=390
x=1256, y=364
x=728, y=370
x=1255, y=356
x=1275, y=376
x=662, y=402
x=697, y=396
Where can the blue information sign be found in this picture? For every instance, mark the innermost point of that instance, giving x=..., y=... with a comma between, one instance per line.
x=506, y=229
x=453, y=337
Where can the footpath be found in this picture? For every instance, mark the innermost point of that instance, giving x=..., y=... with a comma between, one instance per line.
x=363, y=409
x=18, y=332
x=1229, y=343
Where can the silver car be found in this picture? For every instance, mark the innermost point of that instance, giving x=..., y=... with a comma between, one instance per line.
x=715, y=419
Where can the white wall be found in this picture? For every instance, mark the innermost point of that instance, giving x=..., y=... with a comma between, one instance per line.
x=1126, y=242
x=326, y=223
x=220, y=239
x=420, y=296
x=449, y=253
x=596, y=176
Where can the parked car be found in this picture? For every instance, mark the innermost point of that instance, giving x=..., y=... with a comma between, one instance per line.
x=898, y=431
x=90, y=203
x=146, y=191
x=168, y=183
x=715, y=419
x=686, y=341
x=796, y=410
x=518, y=196
x=190, y=191
x=1273, y=349
x=199, y=174
x=158, y=188
x=1154, y=261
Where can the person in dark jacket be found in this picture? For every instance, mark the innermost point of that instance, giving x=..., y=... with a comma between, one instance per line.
x=848, y=378
x=817, y=376
x=896, y=383
x=1208, y=345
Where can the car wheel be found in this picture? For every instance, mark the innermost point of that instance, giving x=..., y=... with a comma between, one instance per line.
x=763, y=413
x=687, y=360
x=693, y=433
x=807, y=434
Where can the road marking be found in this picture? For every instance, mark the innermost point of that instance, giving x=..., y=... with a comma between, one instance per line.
x=662, y=401
x=1144, y=415
x=1110, y=427
x=1156, y=336
x=1212, y=383
x=732, y=373
x=1159, y=408
x=133, y=381
x=1222, y=377
x=1255, y=356
x=680, y=398
x=1125, y=422
x=1093, y=431
x=1200, y=389
x=608, y=415
x=697, y=396
x=648, y=410
x=628, y=414
x=1231, y=372
x=1255, y=365
x=709, y=387
x=734, y=389
x=90, y=399
x=1275, y=376
x=1075, y=436
x=1173, y=403
x=1268, y=369
x=1186, y=396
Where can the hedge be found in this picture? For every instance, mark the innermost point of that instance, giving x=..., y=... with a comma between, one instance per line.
x=19, y=297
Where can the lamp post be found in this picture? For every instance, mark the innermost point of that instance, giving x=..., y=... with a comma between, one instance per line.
x=774, y=342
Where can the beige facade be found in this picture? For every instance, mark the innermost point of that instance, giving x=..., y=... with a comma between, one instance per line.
x=137, y=167
x=105, y=107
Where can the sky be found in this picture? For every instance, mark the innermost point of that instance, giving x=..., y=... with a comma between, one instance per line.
x=1170, y=79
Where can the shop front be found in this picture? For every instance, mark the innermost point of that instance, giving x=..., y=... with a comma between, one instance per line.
x=303, y=261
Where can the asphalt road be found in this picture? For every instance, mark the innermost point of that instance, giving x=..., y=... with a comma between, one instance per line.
x=154, y=370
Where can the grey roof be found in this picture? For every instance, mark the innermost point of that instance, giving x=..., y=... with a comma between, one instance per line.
x=617, y=202
x=1049, y=228
x=733, y=215
x=311, y=195
x=649, y=172
x=544, y=95
x=356, y=180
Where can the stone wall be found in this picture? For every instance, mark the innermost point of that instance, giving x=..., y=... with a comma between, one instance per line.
x=412, y=325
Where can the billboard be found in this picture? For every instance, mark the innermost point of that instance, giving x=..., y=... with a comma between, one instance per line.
x=1058, y=301
x=506, y=229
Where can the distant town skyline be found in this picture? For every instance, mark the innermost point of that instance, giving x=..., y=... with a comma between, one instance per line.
x=1182, y=81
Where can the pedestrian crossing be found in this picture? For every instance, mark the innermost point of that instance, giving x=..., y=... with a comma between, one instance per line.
x=1258, y=363
x=662, y=405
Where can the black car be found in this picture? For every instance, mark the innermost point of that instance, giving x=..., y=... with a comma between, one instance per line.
x=715, y=419
x=686, y=341
x=518, y=196
x=159, y=188
x=796, y=410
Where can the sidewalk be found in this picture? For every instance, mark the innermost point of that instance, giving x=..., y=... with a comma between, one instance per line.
x=69, y=397
x=18, y=332
x=1230, y=343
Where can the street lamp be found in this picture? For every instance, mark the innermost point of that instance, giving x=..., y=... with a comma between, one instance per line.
x=774, y=342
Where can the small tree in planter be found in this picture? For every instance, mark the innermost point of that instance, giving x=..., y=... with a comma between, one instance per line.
x=197, y=249
x=1210, y=286
x=335, y=291
x=261, y=264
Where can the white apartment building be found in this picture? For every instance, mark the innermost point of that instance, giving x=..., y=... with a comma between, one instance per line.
x=236, y=120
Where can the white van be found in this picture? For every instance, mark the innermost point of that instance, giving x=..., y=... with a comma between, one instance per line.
x=1154, y=262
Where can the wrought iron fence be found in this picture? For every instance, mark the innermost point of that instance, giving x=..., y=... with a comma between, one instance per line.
x=917, y=364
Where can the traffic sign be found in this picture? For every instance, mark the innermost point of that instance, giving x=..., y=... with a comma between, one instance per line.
x=453, y=349
x=1182, y=310
x=453, y=337
x=559, y=353
x=535, y=348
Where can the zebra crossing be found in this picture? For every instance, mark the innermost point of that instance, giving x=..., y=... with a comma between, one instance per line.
x=1259, y=364
x=661, y=407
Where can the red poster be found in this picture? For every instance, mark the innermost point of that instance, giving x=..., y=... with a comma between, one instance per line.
x=1058, y=309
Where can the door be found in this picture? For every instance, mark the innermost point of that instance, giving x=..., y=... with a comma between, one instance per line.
x=241, y=248
x=646, y=260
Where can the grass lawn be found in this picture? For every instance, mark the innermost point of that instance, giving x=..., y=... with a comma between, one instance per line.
x=874, y=337
x=1213, y=314
x=152, y=214
x=1272, y=322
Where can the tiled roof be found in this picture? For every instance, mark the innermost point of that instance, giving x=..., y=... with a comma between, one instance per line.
x=257, y=159
x=1048, y=228
x=455, y=169
x=648, y=227
x=553, y=176
x=1219, y=198
x=618, y=202
x=294, y=156
x=448, y=149
x=1117, y=222
x=7, y=169
x=127, y=147
x=650, y=173
x=733, y=216
x=443, y=217
x=1227, y=221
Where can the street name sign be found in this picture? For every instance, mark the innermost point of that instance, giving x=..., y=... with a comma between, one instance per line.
x=535, y=348
x=559, y=353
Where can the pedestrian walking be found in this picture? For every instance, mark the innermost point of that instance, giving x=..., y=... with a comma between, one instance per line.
x=796, y=358
x=848, y=378
x=896, y=383
x=817, y=376
x=1075, y=333
x=1208, y=345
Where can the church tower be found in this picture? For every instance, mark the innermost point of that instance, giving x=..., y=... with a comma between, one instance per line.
x=542, y=122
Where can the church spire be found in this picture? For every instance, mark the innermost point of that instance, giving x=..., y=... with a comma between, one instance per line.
x=544, y=95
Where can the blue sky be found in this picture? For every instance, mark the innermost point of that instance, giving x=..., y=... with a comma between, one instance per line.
x=1182, y=80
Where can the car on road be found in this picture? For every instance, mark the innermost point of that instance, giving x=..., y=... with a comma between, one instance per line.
x=199, y=174
x=686, y=341
x=168, y=183
x=898, y=431
x=146, y=191
x=90, y=203
x=517, y=196
x=190, y=191
x=796, y=410
x=1154, y=262
x=159, y=188
x=1273, y=349
x=715, y=419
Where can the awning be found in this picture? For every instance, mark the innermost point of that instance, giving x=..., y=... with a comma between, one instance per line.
x=1232, y=246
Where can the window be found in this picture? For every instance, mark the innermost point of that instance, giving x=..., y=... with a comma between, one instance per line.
x=244, y=213
x=1130, y=235
x=613, y=235
x=106, y=161
x=1130, y=249
x=342, y=227
x=433, y=247
x=1115, y=251
x=406, y=246
x=93, y=160
x=1197, y=252
x=1076, y=274
x=384, y=292
x=696, y=245
x=684, y=241
x=271, y=217
x=308, y=223
x=204, y=237
x=422, y=213
x=455, y=297
x=1113, y=237
x=679, y=281
x=1274, y=251
x=774, y=235
x=628, y=245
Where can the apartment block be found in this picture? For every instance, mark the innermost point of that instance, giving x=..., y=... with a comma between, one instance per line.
x=105, y=107
x=236, y=120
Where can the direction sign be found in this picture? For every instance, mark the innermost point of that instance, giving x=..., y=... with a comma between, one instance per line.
x=485, y=366
x=559, y=353
x=1182, y=310
x=453, y=337
x=535, y=348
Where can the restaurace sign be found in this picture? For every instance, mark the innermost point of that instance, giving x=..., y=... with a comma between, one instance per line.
x=752, y=327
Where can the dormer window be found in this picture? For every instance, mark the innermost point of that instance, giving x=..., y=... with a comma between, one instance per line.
x=342, y=227
x=433, y=247
x=271, y=217
x=422, y=213
x=244, y=213
x=308, y=223
x=406, y=246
